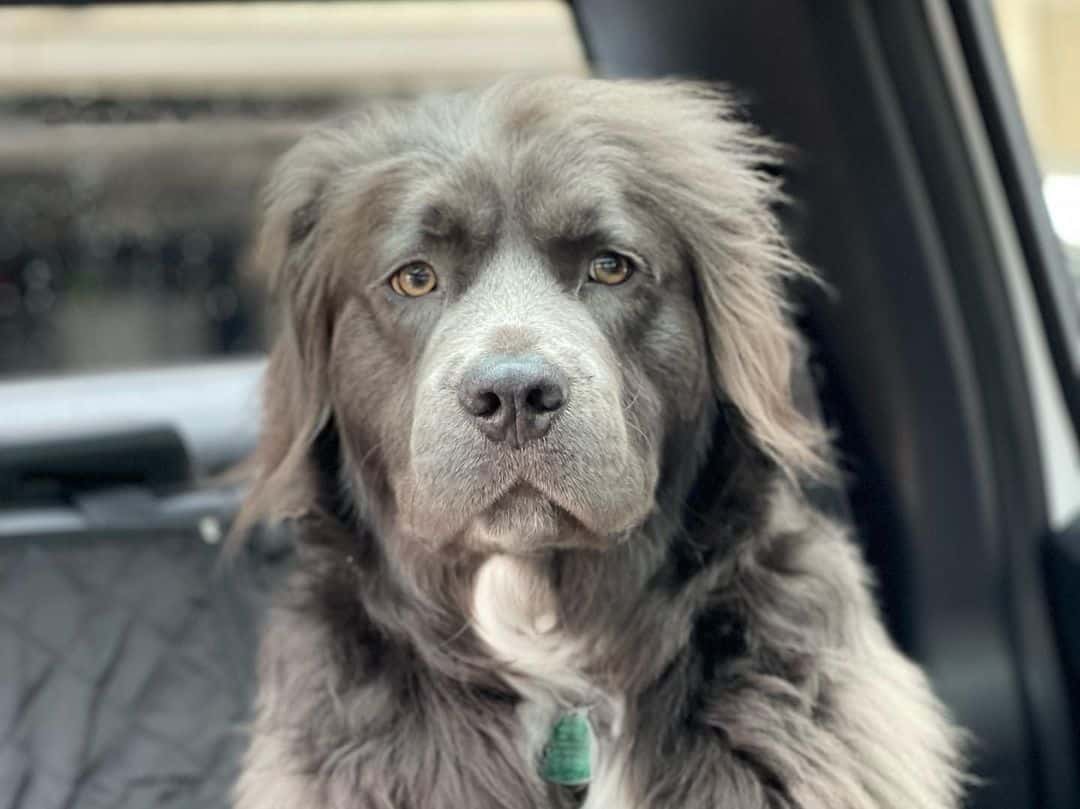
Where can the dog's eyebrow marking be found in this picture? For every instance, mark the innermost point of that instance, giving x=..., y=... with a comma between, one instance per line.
x=456, y=226
x=571, y=224
x=438, y=223
x=595, y=226
x=602, y=216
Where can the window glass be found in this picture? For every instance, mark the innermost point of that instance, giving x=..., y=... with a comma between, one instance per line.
x=134, y=139
x=1042, y=44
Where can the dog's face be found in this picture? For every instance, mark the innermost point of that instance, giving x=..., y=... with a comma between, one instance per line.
x=522, y=341
x=517, y=308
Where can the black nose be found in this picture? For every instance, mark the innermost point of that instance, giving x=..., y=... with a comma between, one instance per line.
x=513, y=398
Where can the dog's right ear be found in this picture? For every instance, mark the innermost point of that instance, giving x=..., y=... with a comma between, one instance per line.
x=289, y=256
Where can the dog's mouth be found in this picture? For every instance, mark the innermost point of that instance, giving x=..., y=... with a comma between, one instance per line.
x=583, y=484
x=524, y=520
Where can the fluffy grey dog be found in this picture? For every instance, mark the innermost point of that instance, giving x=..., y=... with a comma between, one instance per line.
x=531, y=413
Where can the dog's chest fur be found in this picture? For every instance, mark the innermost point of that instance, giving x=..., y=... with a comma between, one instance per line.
x=515, y=613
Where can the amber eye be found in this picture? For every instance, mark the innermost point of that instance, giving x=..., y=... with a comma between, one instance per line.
x=414, y=280
x=610, y=268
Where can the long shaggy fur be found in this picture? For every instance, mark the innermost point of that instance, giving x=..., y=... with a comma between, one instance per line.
x=720, y=633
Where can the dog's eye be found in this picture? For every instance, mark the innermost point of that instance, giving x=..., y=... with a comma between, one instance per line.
x=414, y=280
x=610, y=268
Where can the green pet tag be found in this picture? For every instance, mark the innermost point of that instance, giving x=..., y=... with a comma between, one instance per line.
x=567, y=757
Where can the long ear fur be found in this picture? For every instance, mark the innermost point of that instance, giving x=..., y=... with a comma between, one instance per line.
x=295, y=392
x=741, y=279
x=725, y=200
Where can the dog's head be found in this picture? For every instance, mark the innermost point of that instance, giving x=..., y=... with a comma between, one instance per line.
x=518, y=307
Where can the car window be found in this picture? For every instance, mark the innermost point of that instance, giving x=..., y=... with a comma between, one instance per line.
x=134, y=138
x=1040, y=40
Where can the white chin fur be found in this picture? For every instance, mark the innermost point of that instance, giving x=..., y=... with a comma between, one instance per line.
x=516, y=615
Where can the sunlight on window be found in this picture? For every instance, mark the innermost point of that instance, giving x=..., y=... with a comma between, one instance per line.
x=1062, y=193
x=1042, y=43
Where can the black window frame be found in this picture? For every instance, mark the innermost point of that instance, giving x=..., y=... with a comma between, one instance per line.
x=1021, y=176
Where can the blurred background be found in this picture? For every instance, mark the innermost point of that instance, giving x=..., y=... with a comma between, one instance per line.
x=133, y=140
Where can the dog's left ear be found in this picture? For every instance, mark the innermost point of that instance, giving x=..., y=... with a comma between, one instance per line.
x=742, y=262
x=753, y=347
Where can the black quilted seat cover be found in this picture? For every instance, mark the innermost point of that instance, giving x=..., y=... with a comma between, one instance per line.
x=126, y=669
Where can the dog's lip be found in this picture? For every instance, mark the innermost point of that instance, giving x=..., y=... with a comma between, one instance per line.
x=525, y=490
x=521, y=490
x=488, y=498
x=568, y=531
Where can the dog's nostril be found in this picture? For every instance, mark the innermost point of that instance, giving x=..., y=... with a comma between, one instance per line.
x=486, y=404
x=480, y=401
x=544, y=398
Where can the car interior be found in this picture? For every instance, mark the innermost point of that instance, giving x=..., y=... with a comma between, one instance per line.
x=943, y=354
